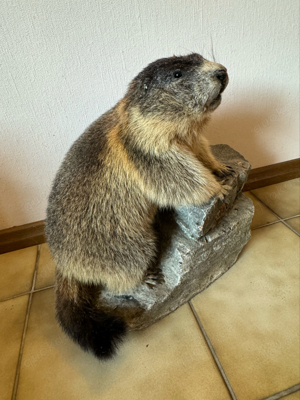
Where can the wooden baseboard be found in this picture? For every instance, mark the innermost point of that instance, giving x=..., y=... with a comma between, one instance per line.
x=32, y=234
x=271, y=174
x=22, y=236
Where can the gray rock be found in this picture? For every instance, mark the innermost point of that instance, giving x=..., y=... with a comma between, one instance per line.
x=197, y=221
x=197, y=246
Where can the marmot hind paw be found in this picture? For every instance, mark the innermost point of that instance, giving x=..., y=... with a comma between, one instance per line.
x=154, y=277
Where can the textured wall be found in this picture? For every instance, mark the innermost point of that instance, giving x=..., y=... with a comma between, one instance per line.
x=67, y=61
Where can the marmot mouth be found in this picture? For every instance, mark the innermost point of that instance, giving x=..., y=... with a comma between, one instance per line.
x=214, y=103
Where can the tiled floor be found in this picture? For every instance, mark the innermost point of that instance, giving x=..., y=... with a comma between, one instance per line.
x=239, y=339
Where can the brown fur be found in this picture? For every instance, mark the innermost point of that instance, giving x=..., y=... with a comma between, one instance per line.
x=145, y=153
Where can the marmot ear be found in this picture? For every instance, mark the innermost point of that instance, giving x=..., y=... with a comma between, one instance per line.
x=145, y=86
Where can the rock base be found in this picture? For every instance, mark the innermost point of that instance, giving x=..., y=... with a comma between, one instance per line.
x=198, y=244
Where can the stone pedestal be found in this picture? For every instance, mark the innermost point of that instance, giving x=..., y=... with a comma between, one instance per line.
x=197, y=245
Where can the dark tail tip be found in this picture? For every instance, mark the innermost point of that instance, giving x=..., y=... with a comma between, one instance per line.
x=92, y=329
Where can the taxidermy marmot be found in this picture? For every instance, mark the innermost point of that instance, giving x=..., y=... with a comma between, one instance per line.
x=146, y=153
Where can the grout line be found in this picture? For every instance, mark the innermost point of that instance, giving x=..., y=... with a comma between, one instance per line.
x=295, y=216
x=283, y=393
x=213, y=352
x=262, y=226
x=44, y=288
x=36, y=268
x=17, y=376
x=273, y=212
x=292, y=229
x=15, y=296
x=23, y=294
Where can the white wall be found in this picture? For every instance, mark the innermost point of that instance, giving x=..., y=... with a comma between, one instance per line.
x=65, y=62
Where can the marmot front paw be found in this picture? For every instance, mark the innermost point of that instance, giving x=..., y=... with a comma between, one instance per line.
x=224, y=191
x=224, y=170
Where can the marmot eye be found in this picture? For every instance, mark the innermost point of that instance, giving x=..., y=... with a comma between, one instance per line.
x=177, y=73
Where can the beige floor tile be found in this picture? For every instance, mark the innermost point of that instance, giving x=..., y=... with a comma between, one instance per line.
x=12, y=317
x=169, y=360
x=283, y=198
x=262, y=215
x=294, y=223
x=251, y=314
x=17, y=270
x=294, y=396
x=46, y=268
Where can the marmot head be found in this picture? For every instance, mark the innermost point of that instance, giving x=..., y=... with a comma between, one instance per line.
x=178, y=87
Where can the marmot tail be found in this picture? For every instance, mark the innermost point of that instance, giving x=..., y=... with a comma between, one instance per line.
x=89, y=326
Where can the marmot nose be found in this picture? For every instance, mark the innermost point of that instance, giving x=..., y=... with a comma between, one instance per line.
x=221, y=74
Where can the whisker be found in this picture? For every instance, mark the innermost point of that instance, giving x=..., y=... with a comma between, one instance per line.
x=212, y=49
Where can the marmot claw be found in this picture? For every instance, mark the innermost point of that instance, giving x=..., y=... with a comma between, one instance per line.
x=224, y=191
x=153, y=278
x=223, y=171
